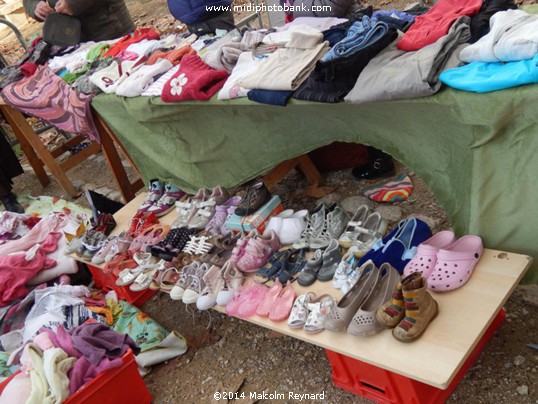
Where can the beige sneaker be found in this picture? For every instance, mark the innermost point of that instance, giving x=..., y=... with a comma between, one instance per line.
x=341, y=314
x=233, y=279
x=213, y=283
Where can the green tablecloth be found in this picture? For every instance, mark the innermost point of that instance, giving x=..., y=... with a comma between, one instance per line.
x=478, y=153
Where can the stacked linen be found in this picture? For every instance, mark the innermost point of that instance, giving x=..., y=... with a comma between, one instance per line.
x=246, y=64
x=506, y=57
x=513, y=36
x=395, y=74
x=335, y=75
x=290, y=65
x=142, y=78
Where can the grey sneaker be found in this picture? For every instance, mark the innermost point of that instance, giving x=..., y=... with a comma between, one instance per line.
x=309, y=274
x=331, y=259
x=335, y=224
x=196, y=286
x=314, y=227
x=184, y=281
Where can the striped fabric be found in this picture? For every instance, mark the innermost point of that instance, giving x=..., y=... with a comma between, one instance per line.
x=46, y=96
x=396, y=190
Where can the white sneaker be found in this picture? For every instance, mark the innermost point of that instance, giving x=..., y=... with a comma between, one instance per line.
x=354, y=276
x=275, y=222
x=344, y=269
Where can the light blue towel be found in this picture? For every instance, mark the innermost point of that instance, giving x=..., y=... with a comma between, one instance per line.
x=483, y=77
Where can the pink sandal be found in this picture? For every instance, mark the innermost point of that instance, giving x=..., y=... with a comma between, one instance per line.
x=253, y=297
x=282, y=307
x=455, y=264
x=264, y=308
x=426, y=256
x=233, y=305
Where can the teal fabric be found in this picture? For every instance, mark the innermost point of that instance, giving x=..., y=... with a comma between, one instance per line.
x=143, y=329
x=477, y=152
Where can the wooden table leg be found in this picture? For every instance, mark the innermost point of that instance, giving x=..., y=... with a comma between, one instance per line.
x=303, y=163
x=107, y=139
x=35, y=162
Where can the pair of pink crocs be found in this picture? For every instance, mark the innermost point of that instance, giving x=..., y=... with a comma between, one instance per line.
x=446, y=262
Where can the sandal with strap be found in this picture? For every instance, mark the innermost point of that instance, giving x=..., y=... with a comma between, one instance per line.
x=368, y=234
x=168, y=279
x=299, y=311
x=351, y=233
x=186, y=209
x=319, y=309
x=158, y=234
x=128, y=276
x=143, y=280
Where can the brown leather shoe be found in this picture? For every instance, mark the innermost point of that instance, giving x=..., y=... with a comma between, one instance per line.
x=257, y=195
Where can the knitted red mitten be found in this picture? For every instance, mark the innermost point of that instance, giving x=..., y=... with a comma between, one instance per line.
x=194, y=80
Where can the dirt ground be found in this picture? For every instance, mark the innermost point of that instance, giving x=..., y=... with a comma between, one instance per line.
x=229, y=354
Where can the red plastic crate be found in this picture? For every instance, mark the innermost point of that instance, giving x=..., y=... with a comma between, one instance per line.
x=383, y=386
x=115, y=386
x=107, y=282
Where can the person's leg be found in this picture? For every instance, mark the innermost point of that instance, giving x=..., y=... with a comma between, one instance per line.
x=9, y=199
x=379, y=164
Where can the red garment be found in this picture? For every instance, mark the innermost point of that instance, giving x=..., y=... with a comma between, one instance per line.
x=15, y=270
x=28, y=69
x=431, y=26
x=194, y=80
x=138, y=35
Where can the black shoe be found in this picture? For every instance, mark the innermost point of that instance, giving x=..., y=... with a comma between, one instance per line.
x=375, y=168
x=11, y=204
x=101, y=204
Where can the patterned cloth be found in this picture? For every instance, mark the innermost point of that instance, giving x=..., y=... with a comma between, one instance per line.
x=396, y=190
x=46, y=96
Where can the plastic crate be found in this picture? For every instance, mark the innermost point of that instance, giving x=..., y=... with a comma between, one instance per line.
x=107, y=282
x=383, y=386
x=115, y=386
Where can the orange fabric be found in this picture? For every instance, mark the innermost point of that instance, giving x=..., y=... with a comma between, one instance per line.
x=174, y=56
x=109, y=318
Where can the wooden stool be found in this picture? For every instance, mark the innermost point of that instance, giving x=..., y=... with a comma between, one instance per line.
x=39, y=156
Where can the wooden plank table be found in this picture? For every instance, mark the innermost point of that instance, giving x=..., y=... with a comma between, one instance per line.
x=466, y=315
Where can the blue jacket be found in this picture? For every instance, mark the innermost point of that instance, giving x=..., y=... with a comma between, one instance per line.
x=194, y=11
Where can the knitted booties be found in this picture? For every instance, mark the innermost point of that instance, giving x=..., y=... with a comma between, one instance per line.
x=393, y=311
x=420, y=310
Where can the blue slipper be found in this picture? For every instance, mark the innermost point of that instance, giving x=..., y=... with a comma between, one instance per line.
x=402, y=246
